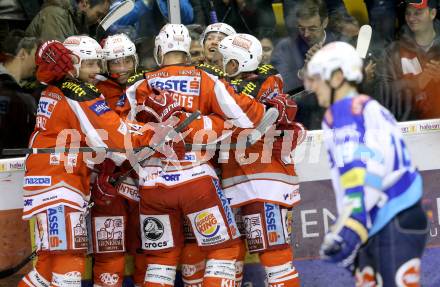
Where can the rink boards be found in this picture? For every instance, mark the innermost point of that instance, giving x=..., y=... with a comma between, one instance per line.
x=310, y=219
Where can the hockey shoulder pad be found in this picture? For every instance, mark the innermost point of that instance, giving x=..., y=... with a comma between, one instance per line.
x=250, y=88
x=213, y=70
x=78, y=91
x=136, y=77
x=267, y=70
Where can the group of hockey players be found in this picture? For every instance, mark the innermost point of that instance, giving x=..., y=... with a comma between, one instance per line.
x=193, y=208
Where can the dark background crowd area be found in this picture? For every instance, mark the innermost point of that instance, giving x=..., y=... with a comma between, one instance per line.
x=402, y=68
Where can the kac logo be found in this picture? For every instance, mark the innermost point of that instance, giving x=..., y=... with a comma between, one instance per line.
x=206, y=224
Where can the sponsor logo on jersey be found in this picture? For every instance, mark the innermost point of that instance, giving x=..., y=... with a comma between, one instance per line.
x=76, y=88
x=209, y=226
x=227, y=208
x=121, y=101
x=28, y=202
x=46, y=106
x=171, y=177
x=287, y=217
x=180, y=84
x=254, y=232
x=109, y=279
x=206, y=224
x=153, y=228
x=109, y=234
x=54, y=159
x=100, y=107
x=79, y=234
x=129, y=191
x=156, y=231
x=274, y=227
x=57, y=228
x=37, y=181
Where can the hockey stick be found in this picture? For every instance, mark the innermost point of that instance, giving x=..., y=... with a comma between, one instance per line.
x=268, y=120
x=113, y=16
x=25, y=151
x=363, y=40
x=10, y=271
x=212, y=13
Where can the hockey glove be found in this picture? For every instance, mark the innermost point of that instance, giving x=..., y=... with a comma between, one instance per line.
x=163, y=104
x=341, y=248
x=292, y=135
x=53, y=61
x=286, y=108
x=103, y=192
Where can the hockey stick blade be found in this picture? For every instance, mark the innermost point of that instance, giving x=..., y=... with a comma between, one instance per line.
x=10, y=271
x=113, y=16
x=268, y=120
x=363, y=40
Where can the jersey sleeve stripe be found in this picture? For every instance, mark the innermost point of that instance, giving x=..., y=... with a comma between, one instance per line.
x=86, y=125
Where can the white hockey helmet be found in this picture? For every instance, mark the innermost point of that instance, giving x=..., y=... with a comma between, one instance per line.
x=245, y=49
x=85, y=48
x=172, y=37
x=336, y=56
x=119, y=46
x=217, y=28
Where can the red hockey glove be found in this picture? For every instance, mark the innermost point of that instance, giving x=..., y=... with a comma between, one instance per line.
x=174, y=149
x=286, y=108
x=292, y=135
x=53, y=61
x=103, y=192
x=163, y=104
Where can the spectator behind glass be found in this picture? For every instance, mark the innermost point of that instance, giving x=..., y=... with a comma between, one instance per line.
x=411, y=76
x=293, y=52
x=149, y=10
x=196, y=48
x=16, y=14
x=59, y=19
x=17, y=108
x=246, y=16
x=267, y=45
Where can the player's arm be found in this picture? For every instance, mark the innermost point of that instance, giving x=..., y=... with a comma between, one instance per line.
x=243, y=111
x=101, y=124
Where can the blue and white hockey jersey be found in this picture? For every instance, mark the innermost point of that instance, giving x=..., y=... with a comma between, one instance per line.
x=370, y=165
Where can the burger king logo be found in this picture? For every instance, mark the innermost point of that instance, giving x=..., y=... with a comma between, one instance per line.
x=206, y=224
